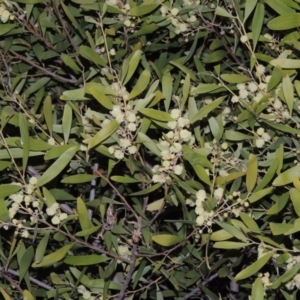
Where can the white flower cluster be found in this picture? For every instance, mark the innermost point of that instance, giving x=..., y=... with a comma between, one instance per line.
x=171, y=147
x=86, y=294
x=5, y=15
x=124, y=251
x=273, y=43
x=294, y=283
x=263, y=137
x=265, y=278
x=203, y=217
x=56, y=214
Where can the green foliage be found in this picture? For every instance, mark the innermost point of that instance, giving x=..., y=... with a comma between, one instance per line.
x=149, y=149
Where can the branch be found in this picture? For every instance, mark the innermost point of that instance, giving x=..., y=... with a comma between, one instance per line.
x=58, y=14
x=58, y=77
x=10, y=280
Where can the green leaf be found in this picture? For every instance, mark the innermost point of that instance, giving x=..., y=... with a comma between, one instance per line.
x=280, y=228
x=140, y=85
x=232, y=230
x=147, y=190
x=57, y=151
x=249, y=7
x=287, y=21
x=41, y=248
x=78, y=178
x=220, y=235
x=8, y=189
x=103, y=134
x=5, y=28
x=287, y=176
x=89, y=54
x=280, y=202
x=167, y=88
x=203, y=88
x=249, y=222
x=54, y=257
x=88, y=231
x=260, y=194
x=184, y=69
x=275, y=78
x=254, y=268
x=67, y=122
x=204, y=111
x=258, y=292
x=295, y=197
x=24, y=131
x=27, y=295
x=68, y=61
x=25, y=262
x=98, y=92
x=55, y=169
x=156, y=114
x=286, y=63
x=47, y=110
x=167, y=240
x=74, y=95
x=257, y=23
x=85, y=260
x=252, y=170
x=133, y=63
x=215, y=56
x=83, y=215
x=220, y=11
x=124, y=179
x=288, y=92
x=149, y=143
x=221, y=180
x=280, y=7
x=235, y=78
x=201, y=173
x=156, y=205
x=229, y=245
x=4, y=214
x=141, y=10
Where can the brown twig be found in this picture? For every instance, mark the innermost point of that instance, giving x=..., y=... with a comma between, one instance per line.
x=11, y=281
x=7, y=70
x=58, y=77
x=58, y=14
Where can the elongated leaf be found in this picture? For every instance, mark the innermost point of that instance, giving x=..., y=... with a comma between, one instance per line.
x=287, y=176
x=141, y=84
x=25, y=262
x=147, y=191
x=215, y=56
x=133, y=63
x=204, y=111
x=167, y=240
x=259, y=194
x=69, y=62
x=288, y=91
x=83, y=215
x=286, y=63
x=85, y=260
x=184, y=70
x=252, y=170
x=255, y=267
x=41, y=248
x=47, y=110
x=220, y=11
x=258, y=292
x=4, y=214
x=79, y=178
x=287, y=21
x=249, y=7
x=5, y=28
x=54, y=257
x=67, y=122
x=55, y=169
x=295, y=196
x=220, y=235
x=24, y=131
x=103, y=134
x=124, y=179
x=167, y=88
x=249, y=222
x=156, y=114
x=257, y=23
x=149, y=143
x=233, y=231
x=91, y=55
x=235, y=78
x=229, y=245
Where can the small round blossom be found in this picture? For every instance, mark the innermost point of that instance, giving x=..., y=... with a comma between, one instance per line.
x=131, y=117
x=124, y=143
x=86, y=295
x=218, y=193
x=185, y=135
x=17, y=198
x=260, y=131
x=224, y=146
x=252, y=87
x=200, y=220
x=261, y=69
x=178, y=169
x=182, y=122
x=33, y=180
x=260, y=142
x=111, y=150
x=223, y=173
x=244, y=94
x=170, y=134
x=159, y=178
x=35, y=204
x=190, y=202
x=183, y=27
x=25, y=234
x=131, y=127
x=51, y=141
x=112, y=52
x=241, y=86
x=175, y=148
x=119, y=154
x=116, y=111
x=175, y=113
x=51, y=210
x=127, y=23
x=172, y=124
x=266, y=137
x=277, y=104
x=165, y=154
x=63, y=216
x=201, y=195
x=55, y=220
x=174, y=11
x=235, y=99
x=244, y=39
x=132, y=149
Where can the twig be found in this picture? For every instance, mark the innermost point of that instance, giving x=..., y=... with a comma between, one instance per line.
x=93, y=188
x=11, y=281
x=58, y=77
x=33, y=280
x=58, y=14
x=134, y=257
x=7, y=70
